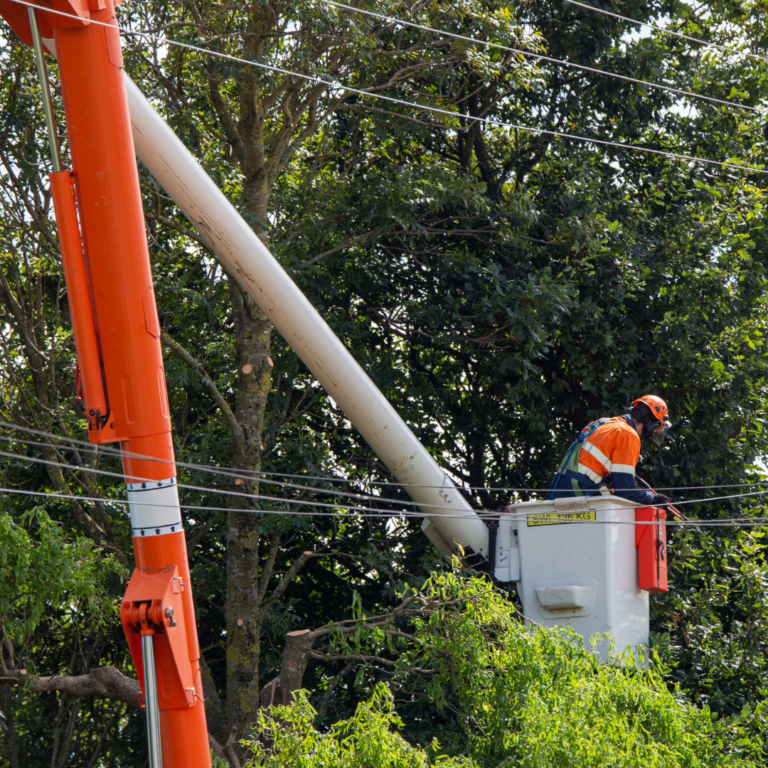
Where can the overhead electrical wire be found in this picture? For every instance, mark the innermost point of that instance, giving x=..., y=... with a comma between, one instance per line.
x=262, y=475
x=292, y=486
x=263, y=497
x=227, y=492
x=234, y=474
x=672, y=32
x=541, y=57
x=332, y=84
x=366, y=512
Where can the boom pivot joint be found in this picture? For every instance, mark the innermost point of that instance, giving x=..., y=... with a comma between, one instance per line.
x=153, y=607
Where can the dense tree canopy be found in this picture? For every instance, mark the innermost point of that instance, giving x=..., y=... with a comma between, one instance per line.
x=502, y=282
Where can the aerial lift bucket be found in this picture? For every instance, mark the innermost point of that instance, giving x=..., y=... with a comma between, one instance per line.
x=585, y=562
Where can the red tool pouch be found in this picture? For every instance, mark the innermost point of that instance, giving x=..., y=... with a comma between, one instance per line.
x=651, y=543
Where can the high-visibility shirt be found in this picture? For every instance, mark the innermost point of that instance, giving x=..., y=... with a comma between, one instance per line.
x=608, y=457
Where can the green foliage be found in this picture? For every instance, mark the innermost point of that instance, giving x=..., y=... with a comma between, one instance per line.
x=502, y=287
x=42, y=569
x=513, y=696
x=367, y=740
x=715, y=620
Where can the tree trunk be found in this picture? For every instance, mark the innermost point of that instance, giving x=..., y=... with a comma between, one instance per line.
x=261, y=158
x=244, y=598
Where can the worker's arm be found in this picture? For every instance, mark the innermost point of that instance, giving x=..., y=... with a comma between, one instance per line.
x=625, y=485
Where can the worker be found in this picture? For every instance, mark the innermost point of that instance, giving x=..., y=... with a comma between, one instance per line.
x=604, y=456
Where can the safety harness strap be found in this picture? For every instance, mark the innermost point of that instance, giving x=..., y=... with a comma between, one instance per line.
x=569, y=466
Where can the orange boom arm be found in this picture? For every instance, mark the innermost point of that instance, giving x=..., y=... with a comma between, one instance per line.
x=117, y=333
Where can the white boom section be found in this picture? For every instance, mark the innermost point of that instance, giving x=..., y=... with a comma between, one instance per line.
x=243, y=253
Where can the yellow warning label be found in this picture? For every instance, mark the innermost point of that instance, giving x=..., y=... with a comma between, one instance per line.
x=553, y=518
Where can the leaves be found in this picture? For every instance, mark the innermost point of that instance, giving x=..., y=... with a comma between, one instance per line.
x=501, y=694
x=42, y=570
x=502, y=286
x=367, y=740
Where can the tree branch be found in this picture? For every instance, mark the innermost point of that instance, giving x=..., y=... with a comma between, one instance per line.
x=223, y=113
x=288, y=578
x=102, y=682
x=182, y=230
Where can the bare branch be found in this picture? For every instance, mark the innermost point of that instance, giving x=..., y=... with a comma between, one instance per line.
x=269, y=566
x=171, y=224
x=332, y=687
x=373, y=621
x=346, y=243
x=102, y=682
x=34, y=211
x=290, y=575
x=225, y=117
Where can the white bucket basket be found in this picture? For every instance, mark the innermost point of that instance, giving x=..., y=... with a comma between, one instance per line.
x=575, y=564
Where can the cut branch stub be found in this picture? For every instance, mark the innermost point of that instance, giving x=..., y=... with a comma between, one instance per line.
x=298, y=647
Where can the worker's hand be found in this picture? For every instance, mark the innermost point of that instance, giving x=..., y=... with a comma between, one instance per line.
x=660, y=500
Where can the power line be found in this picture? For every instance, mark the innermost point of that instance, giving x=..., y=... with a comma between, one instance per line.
x=364, y=512
x=226, y=492
x=263, y=497
x=262, y=475
x=665, y=31
x=256, y=475
x=542, y=57
x=258, y=496
x=332, y=84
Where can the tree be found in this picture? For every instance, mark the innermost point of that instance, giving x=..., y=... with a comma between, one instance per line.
x=262, y=120
x=501, y=286
x=47, y=579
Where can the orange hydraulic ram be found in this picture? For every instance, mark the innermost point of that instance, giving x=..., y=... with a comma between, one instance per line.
x=79, y=297
x=117, y=333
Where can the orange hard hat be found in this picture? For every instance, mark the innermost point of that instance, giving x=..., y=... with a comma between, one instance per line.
x=656, y=429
